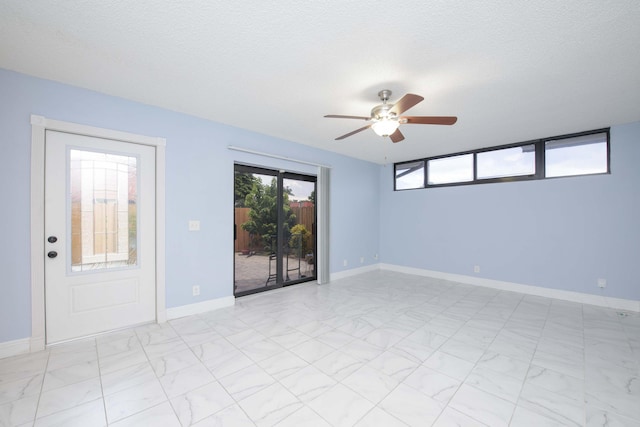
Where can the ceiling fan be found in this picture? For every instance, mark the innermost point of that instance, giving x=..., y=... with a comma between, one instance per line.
x=386, y=118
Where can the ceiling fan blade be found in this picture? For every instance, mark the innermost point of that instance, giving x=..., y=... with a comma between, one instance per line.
x=353, y=133
x=429, y=120
x=337, y=116
x=404, y=103
x=397, y=136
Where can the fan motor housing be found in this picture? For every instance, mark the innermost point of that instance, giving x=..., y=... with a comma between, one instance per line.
x=382, y=111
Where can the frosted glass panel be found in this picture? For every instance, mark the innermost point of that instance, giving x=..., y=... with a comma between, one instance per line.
x=103, y=197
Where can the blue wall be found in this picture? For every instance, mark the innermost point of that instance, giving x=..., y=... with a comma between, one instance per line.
x=562, y=233
x=199, y=185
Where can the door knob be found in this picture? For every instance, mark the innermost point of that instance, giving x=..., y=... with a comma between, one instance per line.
x=52, y=254
x=52, y=239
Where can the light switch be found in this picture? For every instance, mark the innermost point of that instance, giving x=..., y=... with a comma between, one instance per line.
x=194, y=225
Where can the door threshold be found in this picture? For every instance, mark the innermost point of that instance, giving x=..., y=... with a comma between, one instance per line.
x=111, y=331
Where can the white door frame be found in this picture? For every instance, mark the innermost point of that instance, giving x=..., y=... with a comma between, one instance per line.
x=39, y=125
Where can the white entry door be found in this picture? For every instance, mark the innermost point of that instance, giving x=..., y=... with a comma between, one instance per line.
x=100, y=235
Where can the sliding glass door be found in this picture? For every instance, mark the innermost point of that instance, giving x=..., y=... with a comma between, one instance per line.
x=298, y=228
x=274, y=229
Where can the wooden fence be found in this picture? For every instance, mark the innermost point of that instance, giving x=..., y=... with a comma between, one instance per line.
x=304, y=215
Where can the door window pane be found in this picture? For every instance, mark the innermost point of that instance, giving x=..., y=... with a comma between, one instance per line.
x=515, y=161
x=450, y=169
x=410, y=175
x=103, y=196
x=581, y=155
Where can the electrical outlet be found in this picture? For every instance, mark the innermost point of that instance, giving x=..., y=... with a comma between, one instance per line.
x=361, y=260
x=194, y=225
x=345, y=263
x=476, y=269
x=196, y=291
x=602, y=283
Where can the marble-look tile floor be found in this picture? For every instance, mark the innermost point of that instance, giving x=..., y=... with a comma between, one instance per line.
x=379, y=349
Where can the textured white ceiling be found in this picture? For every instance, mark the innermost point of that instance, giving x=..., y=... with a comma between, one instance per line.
x=510, y=70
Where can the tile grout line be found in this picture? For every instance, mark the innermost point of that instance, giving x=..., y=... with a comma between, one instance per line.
x=44, y=375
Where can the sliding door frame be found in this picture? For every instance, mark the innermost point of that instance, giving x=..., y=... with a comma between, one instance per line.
x=300, y=177
x=280, y=176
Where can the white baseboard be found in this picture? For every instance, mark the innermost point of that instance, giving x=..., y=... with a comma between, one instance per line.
x=12, y=348
x=36, y=344
x=199, y=307
x=597, y=300
x=354, y=272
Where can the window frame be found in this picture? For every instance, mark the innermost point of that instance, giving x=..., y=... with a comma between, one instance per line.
x=395, y=175
x=510, y=177
x=539, y=173
x=473, y=169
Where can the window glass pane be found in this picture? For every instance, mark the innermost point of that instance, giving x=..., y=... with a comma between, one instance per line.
x=103, y=190
x=298, y=244
x=451, y=169
x=514, y=161
x=410, y=175
x=581, y=155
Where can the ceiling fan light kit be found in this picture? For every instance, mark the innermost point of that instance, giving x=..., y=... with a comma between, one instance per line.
x=386, y=118
x=385, y=127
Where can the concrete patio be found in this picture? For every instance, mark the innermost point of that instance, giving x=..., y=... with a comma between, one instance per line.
x=252, y=272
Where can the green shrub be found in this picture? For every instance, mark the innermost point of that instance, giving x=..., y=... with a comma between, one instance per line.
x=300, y=238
